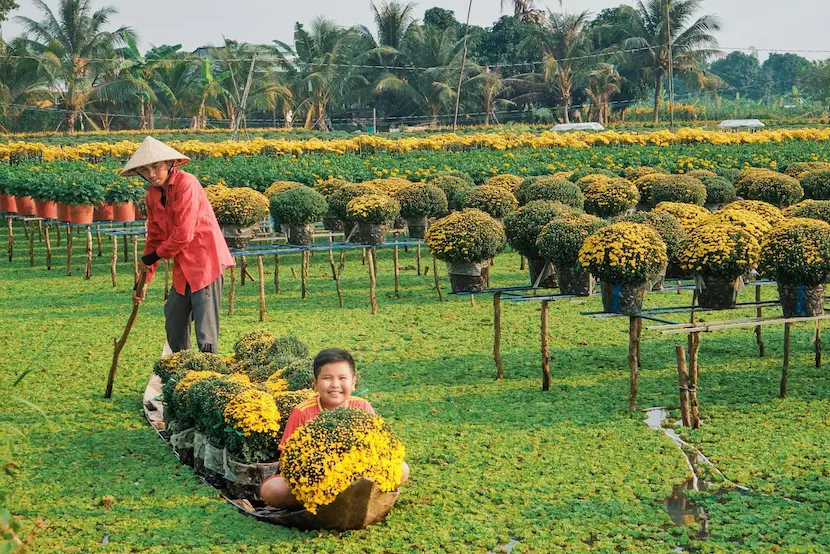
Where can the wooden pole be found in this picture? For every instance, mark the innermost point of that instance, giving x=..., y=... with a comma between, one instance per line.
x=98, y=235
x=461, y=72
x=435, y=276
x=68, y=251
x=372, y=283
x=32, y=247
x=25, y=230
x=635, y=326
x=135, y=256
x=419, y=258
x=48, y=246
x=522, y=265
x=88, y=269
x=694, y=374
x=497, y=336
x=11, y=238
x=277, y=273
x=58, y=234
x=261, y=273
x=363, y=256
x=40, y=230
x=243, y=269
x=119, y=344
x=126, y=249
x=232, y=292
x=166, y=278
x=818, y=343
x=335, y=277
x=473, y=300
x=785, y=372
x=545, y=348
x=397, y=271
x=342, y=264
x=683, y=384
x=304, y=275
x=759, y=312
x=114, y=261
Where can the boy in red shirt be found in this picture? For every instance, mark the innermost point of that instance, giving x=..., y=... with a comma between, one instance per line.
x=334, y=382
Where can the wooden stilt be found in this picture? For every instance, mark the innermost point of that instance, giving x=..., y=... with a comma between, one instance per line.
x=419, y=258
x=497, y=336
x=635, y=326
x=522, y=264
x=372, y=299
x=58, y=234
x=114, y=261
x=293, y=272
x=342, y=265
x=135, y=257
x=126, y=249
x=40, y=230
x=785, y=371
x=261, y=273
x=336, y=278
x=818, y=343
x=683, y=385
x=68, y=251
x=166, y=278
x=277, y=273
x=363, y=256
x=88, y=269
x=545, y=348
x=25, y=229
x=243, y=270
x=232, y=292
x=11, y=238
x=397, y=270
x=98, y=235
x=473, y=300
x=435, y=277
x=48, y=246
x=694, y=374
x=32, y=247
x=759, y=312
x=304, y=276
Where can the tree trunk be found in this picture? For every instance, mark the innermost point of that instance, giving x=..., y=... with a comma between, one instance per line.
x=152, y=115
x=657, y=87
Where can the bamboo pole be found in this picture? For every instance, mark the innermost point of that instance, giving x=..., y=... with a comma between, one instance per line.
x=25, y=229
x=135, y=256
x=32, y=247
x=635, y=326
x=759, y=312
x=304, y=275
x=68, y=251
x=372, y=284
x=48, y=246
x=98, y=235
x=785, y=371
x=545, y=348
x=277, y=273
x=11, y=238
x=522, y=265
x=497, y=336
x=435, y=276
x=818, y=343
x=119, y=344
x=473, y=300
x=243, y=269
x=232, y=292
x=363, y=256
x=342, y=265
x=40, y=230
x=88, y=269
x=419, y=258
x=336, y=278
x=166, y=278
x=261, y=273
x=58, y=234
x=694, y=374
x=397, y=270
x=114, y=261
x=126, y=249
x=683, y=385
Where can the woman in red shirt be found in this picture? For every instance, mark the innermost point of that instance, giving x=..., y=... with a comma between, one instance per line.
x=181, y=225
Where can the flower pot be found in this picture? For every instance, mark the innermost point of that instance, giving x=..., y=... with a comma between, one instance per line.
x=123, y=212
x=25, y=205
x=331, y=223
x=103, y=212
x=712, y=207
x=8, y=204
x=47, y=209
x=468, y=276
x=237, y=236
x=801, y=300
x=63, y=212
x=618, y=298
x=399, y=223
x=140, y=215
x=417, y=227
x=576, y=281
x=370, y=234
x=539, y=267
x=656, y=282
x=80, y=214
x=301, y=235
x=717, y=293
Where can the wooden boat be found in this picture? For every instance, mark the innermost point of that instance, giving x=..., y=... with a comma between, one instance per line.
x=360, y=505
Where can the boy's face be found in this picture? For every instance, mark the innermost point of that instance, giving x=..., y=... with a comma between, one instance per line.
x=335, y=384
x=156, y=173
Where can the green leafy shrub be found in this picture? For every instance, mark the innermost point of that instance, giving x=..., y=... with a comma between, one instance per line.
x=454, y=173
x=799, y=169
x=666, y=225
x=177, y=364
x=330, y=186
x=816, y=185
x=812, y=209
x=561, y=239
x=205, y=402
x=254, y=347
x=677, y=188
x=797, y=252
x=552, y=189
x=505, y=181
x=285, y=350
x=579, y=174
x=339, y=200
x=422, y=200
x=300, y=374
x=719, y=190
x=610, y=197
x=494, y=200
x=465, y=236
x=523, y=226
x=299, y=206
x=768, y=186
x=281, y=186
x=454, y=189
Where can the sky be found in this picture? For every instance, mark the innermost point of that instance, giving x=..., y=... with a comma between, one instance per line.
x=795, y=25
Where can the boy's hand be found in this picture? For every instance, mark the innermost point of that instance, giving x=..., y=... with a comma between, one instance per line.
x=139, y=295
x=142, y=267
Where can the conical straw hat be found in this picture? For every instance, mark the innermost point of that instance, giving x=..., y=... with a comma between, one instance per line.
x=150, y=152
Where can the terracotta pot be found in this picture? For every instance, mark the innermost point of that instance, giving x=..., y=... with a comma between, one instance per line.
x=124, y=212
x=26, y=205
x=139, y=215
x=47, y=209
x=81, y=214
x=103, y=212
x=8, y=204
x=63, y=212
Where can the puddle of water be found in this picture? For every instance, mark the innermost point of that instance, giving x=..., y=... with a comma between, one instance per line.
x=508, y=548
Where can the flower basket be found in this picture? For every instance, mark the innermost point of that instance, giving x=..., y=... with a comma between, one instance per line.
x=182, y=443
x=417, y=227
x=123, y=212
x=8, y=204
x=238, y=236
x=25, y=206
x=80, y=214
x=622, y=298
x=63, y=212
x=542, y=272
x=801, y=300
x=371, y=234
x=103, y=212
x=468, y=276
x=47, y=209
x=575, y=280
x=301, y=235
x=716, y=292
x=332, y=223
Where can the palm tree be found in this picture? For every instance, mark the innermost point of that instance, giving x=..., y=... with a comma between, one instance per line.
x=74, y=50
x=20, y=82
x=692, y=39
x=603, y=83
x=492, y=88
x=524, y=10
